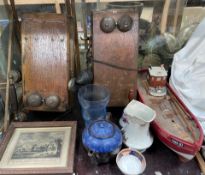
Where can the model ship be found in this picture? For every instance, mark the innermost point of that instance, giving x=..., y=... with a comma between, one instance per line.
x=174, y=124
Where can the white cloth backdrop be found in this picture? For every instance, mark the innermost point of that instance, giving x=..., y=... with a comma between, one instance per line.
x=188, y=73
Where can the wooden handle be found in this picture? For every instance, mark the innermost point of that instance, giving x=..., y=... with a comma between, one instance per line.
x=9, y=57
x=165, y=13
x=176, y=15
x=57, y=7
x=201, y=162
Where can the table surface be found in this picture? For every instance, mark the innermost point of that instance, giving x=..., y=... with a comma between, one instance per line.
x=158, y=157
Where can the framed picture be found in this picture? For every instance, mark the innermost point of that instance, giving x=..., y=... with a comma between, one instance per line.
x=38, y=148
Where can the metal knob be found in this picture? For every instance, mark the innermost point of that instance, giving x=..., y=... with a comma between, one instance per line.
x=15, y=75
x=107, y=24
x=34, y=100
x=124, y=24
x=52, y=101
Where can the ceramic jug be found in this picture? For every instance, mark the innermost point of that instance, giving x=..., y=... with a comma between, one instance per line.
x=137, y=121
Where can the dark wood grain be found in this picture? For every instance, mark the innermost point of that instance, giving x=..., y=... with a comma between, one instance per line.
x=16, y=21
x=117, y=48
x=8, y=80
x=45, y=58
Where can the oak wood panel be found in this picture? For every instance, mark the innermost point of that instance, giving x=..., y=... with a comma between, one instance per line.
x=116, y=48
x=45, y=61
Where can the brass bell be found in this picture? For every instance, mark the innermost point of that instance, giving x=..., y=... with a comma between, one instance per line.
x=52, y=101
x=124, y=24
x=107, y=24
x=34, y=100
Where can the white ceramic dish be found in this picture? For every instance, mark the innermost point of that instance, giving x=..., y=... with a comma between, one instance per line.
x=130, y=162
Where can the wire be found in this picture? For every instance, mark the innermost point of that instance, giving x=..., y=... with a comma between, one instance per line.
x=115, y=66
x=90, y=59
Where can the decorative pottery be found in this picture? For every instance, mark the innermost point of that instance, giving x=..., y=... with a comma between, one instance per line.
x=136, y=121
x=130, y=162
x=102, y=139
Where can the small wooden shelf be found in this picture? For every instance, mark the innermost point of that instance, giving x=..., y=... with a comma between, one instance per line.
x=33, y=2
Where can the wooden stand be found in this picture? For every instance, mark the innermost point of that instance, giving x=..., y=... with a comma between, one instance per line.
x=172, y=16
x=201, y=162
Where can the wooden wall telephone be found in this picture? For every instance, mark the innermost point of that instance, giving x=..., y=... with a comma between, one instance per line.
x=48, y=46
x=115, y=51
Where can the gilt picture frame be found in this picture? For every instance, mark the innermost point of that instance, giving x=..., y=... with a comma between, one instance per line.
x=38, y=148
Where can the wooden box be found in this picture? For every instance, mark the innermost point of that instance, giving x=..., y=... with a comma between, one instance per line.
x=115, y=55
x=45, y=62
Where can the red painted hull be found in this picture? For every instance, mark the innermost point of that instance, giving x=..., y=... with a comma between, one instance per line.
x=176, y=143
